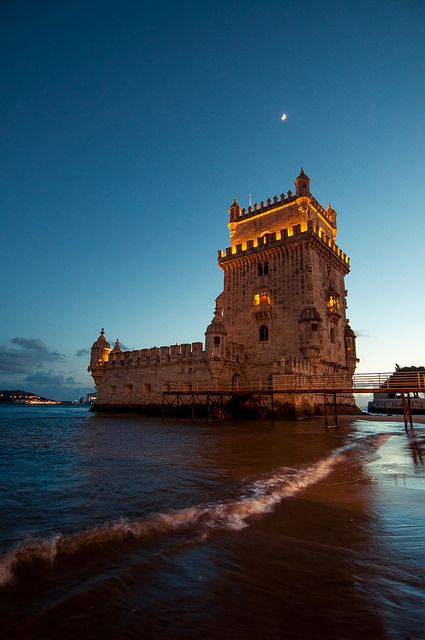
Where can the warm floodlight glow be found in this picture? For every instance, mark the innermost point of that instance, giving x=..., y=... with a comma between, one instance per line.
x=283, y=116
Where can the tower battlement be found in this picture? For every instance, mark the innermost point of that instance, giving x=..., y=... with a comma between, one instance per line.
x=285, y=236
x=277, y=204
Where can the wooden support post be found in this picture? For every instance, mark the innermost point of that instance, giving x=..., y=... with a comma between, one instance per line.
x=335, y=411
x=325, y=408
x=410, y=411
x=330, y=411
x=407, y=411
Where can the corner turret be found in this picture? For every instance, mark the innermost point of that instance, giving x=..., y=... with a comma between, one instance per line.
x=99, y=357
x=331, y=215
x=216, y=333
x=234, y=211
x=350, y=347
x=310, y=334
x=302, y=184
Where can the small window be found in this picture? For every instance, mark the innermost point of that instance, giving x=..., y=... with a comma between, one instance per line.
x=260, y=269
x=216, y=341
x=112, y=389
x=264, y=333
x=333, y=335
x=314, y=326
x=128, y=388
x=147, y=387
x=266, y=268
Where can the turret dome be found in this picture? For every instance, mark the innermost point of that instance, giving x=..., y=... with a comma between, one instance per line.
x=302, y=184
x=101, y=341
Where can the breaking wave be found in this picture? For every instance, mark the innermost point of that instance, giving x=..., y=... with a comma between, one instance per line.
x=259, y=497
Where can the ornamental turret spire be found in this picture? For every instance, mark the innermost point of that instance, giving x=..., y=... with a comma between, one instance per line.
x=302, y=184
x=234, y=210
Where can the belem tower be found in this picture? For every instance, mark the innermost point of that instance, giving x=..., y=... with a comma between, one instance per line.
x=279, y=322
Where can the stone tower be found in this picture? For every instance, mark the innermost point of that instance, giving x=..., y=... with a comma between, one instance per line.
x=284, y=295
x=280, y=321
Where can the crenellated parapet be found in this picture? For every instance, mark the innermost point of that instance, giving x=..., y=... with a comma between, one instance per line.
x=158, y=355
x=276, y=204
x=176, y=353
x=236, y=214
x=283, y=237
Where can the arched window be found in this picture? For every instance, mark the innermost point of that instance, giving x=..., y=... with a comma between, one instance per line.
x=264, y=333
x=260, y=269
x=265, y=268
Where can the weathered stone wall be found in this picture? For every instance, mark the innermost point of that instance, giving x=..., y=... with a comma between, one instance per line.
x=140, y=377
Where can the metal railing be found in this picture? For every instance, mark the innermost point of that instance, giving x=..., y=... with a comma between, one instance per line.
x=407, y=381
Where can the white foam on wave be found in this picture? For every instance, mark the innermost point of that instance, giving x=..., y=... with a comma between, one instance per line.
x=259, y=497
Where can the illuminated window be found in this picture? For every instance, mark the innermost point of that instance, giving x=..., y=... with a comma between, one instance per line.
x=333, y=303
x=264, y=333
x=262, y=297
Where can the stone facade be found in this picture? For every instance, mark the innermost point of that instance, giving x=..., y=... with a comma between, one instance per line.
x=280, y=321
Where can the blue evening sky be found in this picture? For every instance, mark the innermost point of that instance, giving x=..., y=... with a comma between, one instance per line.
x=128, y=127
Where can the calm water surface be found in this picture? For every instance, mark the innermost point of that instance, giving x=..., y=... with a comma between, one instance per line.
x=128, y=527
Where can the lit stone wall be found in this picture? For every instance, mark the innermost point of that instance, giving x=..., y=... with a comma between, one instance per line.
x=140, y=377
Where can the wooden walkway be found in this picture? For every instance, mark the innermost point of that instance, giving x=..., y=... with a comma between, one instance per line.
x=211, y=402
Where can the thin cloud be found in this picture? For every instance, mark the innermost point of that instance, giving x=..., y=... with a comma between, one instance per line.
x=82, y=352
x=32, y=343
x=30, y=353
x=50, y=378
x=361, y=333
